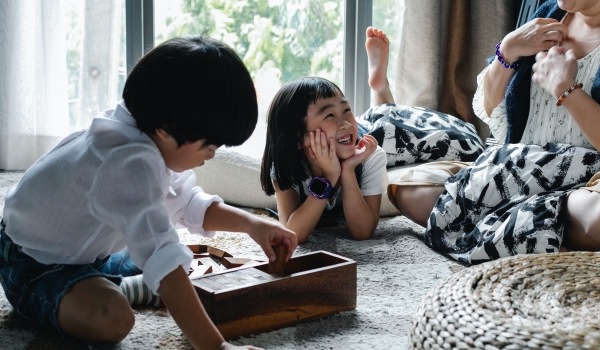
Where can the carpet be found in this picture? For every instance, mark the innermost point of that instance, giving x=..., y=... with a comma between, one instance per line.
x=395, y=269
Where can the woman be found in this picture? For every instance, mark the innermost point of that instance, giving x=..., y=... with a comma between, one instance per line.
x=541, y=95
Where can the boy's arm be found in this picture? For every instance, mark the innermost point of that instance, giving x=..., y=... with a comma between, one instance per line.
x=223, y=217
x=183, y=303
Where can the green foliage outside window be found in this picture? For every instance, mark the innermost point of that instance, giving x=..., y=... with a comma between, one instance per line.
x=299, y=37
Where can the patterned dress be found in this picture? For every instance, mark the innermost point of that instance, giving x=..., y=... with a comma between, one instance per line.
x=511, y=200
x=416, y=135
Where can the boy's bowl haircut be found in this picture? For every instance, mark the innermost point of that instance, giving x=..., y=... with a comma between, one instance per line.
x=195, y=88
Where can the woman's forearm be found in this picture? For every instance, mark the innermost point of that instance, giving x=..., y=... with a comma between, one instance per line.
x=586, y=113
x=494, y=85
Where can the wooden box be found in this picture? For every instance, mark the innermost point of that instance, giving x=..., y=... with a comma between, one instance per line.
x=248, y=300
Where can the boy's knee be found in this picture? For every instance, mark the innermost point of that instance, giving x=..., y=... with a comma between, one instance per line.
x=96, y=310
x=114, y=321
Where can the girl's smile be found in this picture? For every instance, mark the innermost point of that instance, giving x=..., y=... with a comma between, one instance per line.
x=334, y=117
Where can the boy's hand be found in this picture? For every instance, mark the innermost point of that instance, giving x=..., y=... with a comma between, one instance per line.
x=363, y=150
x=227, y=346
x=268, y=233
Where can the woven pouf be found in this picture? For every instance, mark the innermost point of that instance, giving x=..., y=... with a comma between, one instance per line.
x=539, y=301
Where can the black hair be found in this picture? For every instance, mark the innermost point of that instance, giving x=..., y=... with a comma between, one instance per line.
x=194, y=88
x=286, y=126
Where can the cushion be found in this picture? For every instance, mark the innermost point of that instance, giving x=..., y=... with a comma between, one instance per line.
x=235, y=177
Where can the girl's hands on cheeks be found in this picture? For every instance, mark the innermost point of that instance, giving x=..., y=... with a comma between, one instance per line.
x=539, y=34
x=269, y=233
x=555, y=71
x=363, y=150
x=322, y=152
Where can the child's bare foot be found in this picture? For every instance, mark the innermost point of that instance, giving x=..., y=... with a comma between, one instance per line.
x=378, y=47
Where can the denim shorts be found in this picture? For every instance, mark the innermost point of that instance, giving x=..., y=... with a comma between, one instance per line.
x=35, y=290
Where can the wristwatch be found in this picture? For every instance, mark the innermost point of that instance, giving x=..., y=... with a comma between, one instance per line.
x=321, y=188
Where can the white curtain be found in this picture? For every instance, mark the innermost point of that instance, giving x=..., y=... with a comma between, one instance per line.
x=34, y=113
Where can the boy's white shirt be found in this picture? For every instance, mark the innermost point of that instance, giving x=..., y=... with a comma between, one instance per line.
x=102, y=190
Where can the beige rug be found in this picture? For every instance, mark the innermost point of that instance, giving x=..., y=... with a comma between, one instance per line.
x=395, y=270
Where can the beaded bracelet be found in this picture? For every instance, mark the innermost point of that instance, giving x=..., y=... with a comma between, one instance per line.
x=513, y=65
x=567, y=93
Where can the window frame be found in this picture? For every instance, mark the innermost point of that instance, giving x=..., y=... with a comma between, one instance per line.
x=358, y=15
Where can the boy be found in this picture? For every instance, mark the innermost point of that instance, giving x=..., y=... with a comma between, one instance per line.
x=124, y=183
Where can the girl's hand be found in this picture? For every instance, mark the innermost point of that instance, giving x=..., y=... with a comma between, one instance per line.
x=363, y=150
x=269, y=233
x=539, y=34
x=322, y=152
x=555, y=71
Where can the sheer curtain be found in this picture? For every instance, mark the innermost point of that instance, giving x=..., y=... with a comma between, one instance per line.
x=443, y=48
x=34, y=113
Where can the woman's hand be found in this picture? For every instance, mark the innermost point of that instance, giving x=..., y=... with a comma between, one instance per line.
x=363, y=150
x=539, y=34
x=555, y=71
x=322, y=152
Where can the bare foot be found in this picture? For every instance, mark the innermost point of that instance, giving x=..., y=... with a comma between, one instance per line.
x=378, y=47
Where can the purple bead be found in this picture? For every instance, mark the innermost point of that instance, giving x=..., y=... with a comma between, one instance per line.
x=514, y=65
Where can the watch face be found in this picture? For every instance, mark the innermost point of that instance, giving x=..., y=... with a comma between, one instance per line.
x=318, y=187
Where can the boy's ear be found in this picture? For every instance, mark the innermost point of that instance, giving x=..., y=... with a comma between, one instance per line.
x=162, y=134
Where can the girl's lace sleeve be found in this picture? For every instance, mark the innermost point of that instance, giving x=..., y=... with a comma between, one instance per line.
x=496, y=121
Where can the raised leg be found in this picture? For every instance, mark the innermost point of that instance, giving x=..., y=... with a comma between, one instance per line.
x=95, y=309
x=582, y=222
x=416, y=202
x=378, y=47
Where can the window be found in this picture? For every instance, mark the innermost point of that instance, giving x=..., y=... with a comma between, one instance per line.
x=278, y=40
x=95, y=32
x=387, y=16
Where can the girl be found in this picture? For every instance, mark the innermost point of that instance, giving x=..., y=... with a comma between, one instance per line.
x=315, y=148
x=319, y=148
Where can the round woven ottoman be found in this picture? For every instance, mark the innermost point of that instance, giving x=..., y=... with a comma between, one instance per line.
x=542, y=301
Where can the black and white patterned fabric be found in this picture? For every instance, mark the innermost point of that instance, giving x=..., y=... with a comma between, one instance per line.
x=509, y=202
x=415, y=135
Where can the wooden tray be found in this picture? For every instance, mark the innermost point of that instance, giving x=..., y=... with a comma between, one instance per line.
x=248, y=300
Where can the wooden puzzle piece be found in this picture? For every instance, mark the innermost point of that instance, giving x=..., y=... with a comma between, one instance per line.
x=216, y=252
x=198, y=248
x=200, y=270
x=277, y=267
x=231, y=262
x=209, y=261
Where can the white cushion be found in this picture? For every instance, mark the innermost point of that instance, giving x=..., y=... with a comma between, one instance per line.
x=235, y=177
